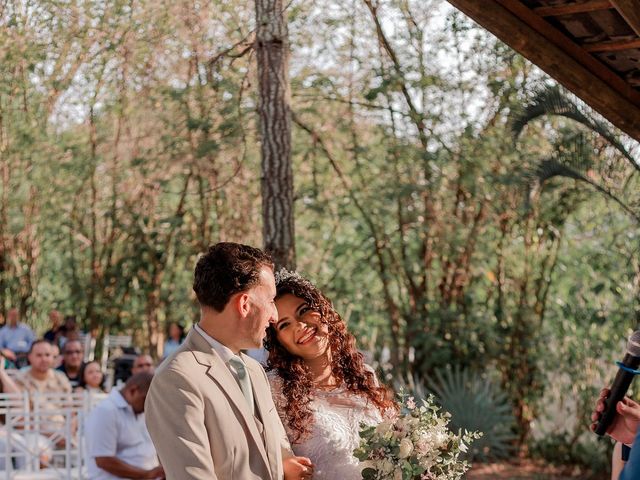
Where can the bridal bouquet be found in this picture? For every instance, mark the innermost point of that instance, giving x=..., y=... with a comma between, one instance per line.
x=415, y=444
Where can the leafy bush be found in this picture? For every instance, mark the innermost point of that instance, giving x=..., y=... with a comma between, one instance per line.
x=587, y=451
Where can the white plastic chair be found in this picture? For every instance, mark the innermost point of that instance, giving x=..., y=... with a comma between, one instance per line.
x=51, y=447
x=10, y=441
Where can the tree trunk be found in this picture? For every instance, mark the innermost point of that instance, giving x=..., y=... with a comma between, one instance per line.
x=272, y=47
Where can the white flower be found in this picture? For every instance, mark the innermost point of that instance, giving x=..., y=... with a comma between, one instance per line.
x=386, y=466
x=383, y=428
x=423, y=447
x=367, y=464
x=397, y=474
x=441, y=438
x=406, y=447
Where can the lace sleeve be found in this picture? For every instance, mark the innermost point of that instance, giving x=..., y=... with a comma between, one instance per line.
x=276, y=392
x=275, y=382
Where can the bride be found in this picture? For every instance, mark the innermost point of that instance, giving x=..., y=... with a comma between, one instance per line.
x=321, y=386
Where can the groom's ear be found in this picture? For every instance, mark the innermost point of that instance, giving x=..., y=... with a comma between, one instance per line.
x=242, y=304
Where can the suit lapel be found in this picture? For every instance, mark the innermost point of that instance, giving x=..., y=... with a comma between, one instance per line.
x=257, y=380
x=218, y=372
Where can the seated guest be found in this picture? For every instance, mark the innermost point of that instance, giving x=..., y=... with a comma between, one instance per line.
x=91, y=378
x=42, y=378
x=72, y=355
x=175, y=336
x=143, y=364
x=19, y=442
x=117, y=442
x=57, y=357
x=55, y=319
x=68, y=331
x=15, y=338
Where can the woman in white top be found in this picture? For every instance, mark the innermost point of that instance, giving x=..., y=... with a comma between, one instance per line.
x=91, y=378
x=321, y=386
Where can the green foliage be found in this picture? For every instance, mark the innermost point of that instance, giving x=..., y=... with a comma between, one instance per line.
x=552, y=100
x=457, y=207
x=476, y=403
x=560, y=449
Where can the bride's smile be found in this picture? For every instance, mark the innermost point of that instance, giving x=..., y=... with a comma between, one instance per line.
x=300, y=329
x=308, y=335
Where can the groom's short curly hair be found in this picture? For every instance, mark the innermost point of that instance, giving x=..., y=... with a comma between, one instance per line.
x=225, y=269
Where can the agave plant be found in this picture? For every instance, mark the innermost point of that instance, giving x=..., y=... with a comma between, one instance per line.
x=475, y=404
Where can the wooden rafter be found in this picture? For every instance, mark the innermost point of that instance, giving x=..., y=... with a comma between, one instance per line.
x=559, y=56
x=571, y=8
x=630, y=11
x=612, y=46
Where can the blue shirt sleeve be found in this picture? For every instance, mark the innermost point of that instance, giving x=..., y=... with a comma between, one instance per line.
x=101, y=433
x=31, y=337
x=631, y=470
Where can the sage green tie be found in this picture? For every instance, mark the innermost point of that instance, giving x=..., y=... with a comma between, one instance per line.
x=245, y=382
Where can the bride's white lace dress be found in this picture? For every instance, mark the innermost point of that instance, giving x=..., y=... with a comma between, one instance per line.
x=337, y=415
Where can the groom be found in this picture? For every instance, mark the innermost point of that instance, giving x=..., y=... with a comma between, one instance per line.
x=209, y=409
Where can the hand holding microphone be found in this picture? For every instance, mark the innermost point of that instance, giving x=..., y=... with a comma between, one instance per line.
x=615, y=414
x=625, y=424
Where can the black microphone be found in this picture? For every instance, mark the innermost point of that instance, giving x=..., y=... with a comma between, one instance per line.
x=624, y=377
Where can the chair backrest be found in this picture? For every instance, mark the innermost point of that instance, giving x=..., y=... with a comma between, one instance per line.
x=14, y=401
x=91, y=399
x=89, y=344
x=44, y=438
x=111, y=343
x=57, y=401
x=44, y=430
x=122, y=341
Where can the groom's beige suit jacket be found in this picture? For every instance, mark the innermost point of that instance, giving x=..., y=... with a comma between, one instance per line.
x=201, y=424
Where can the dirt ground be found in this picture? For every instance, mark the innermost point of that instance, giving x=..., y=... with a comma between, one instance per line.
x=526, y=470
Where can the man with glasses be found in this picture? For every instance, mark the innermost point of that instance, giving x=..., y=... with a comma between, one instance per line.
x=72, y=360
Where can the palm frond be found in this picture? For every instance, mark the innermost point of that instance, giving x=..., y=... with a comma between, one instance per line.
x=572, y=158
x=551, y=100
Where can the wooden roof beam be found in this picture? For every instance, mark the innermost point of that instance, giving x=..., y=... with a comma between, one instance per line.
x=630, y=11
x=614, y=46
x=534, y=38
x=570, y=8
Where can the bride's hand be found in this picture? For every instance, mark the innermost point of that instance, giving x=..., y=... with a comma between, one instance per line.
x=297, y=468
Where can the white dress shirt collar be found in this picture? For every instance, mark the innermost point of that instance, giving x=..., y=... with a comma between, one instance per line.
x=225, y=352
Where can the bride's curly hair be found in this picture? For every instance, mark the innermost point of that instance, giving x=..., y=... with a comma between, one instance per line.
x=347, y=364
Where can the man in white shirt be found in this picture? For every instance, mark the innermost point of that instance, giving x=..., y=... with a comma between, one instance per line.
x=118, y=444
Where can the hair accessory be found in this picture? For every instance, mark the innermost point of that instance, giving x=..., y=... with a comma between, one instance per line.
x=283, y=275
